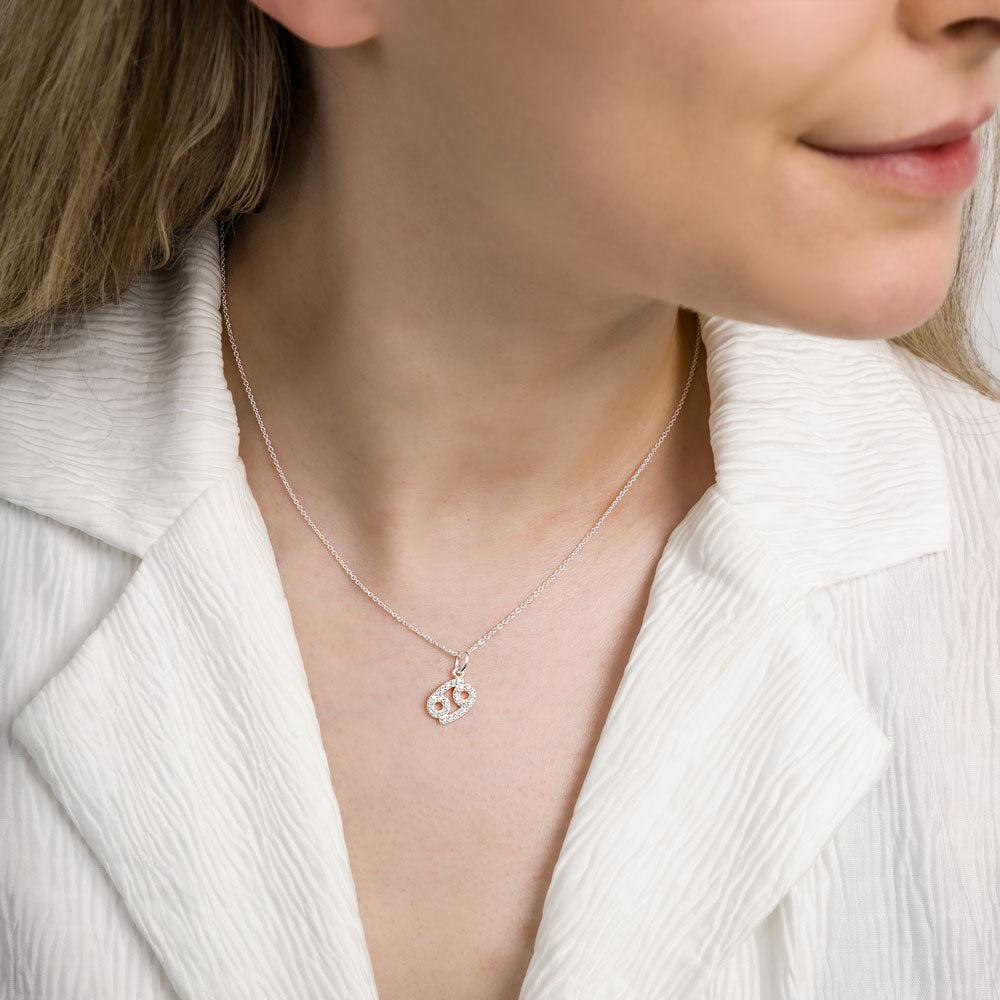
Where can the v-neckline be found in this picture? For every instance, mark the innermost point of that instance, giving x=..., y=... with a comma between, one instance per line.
x=688, y=524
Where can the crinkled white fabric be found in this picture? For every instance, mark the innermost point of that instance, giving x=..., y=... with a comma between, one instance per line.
x=795, y=796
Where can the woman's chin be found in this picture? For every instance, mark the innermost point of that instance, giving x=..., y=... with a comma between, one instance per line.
x=889, y=310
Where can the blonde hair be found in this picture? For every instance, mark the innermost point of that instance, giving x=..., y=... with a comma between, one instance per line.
x=125, y=127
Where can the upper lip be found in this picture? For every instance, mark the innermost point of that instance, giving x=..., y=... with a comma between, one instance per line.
x=953, y=130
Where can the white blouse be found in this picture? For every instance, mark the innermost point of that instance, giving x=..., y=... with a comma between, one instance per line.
x=795, y=796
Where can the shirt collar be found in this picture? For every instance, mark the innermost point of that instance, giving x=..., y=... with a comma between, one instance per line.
x=825, y=444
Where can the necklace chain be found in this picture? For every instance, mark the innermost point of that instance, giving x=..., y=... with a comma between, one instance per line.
x=496, y=628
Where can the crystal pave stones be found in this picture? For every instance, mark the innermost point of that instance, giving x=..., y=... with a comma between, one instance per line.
x=439, y=705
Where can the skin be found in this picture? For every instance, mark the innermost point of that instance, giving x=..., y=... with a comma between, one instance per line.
x=459, y=314
x=458, y=308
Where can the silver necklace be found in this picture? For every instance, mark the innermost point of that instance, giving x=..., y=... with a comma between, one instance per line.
x=463, y=693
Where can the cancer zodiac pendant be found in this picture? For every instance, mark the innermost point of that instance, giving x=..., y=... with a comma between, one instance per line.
x=439, y=705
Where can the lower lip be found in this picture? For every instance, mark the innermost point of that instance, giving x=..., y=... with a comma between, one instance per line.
x=927, y=173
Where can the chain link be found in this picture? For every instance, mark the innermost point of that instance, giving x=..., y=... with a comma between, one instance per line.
x=423, y=635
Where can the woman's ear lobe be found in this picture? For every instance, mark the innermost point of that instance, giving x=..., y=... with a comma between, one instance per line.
x=326, y=23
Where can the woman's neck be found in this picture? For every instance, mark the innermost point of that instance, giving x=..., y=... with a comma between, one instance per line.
x=426, y=367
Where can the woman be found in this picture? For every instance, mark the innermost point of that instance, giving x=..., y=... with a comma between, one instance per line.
x=740, y=744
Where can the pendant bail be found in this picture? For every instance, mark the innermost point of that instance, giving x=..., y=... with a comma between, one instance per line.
x=457, y=671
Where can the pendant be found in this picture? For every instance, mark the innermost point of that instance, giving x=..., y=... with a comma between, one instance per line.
x=439, y=705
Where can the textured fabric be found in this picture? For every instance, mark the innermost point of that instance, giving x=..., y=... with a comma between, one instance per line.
x=796, y=793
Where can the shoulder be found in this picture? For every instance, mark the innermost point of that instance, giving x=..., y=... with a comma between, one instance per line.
x=126, y=416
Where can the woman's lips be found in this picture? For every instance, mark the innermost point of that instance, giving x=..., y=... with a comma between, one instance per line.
x=926, y=172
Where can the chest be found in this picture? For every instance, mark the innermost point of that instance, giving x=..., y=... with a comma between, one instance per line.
x=453, y=831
